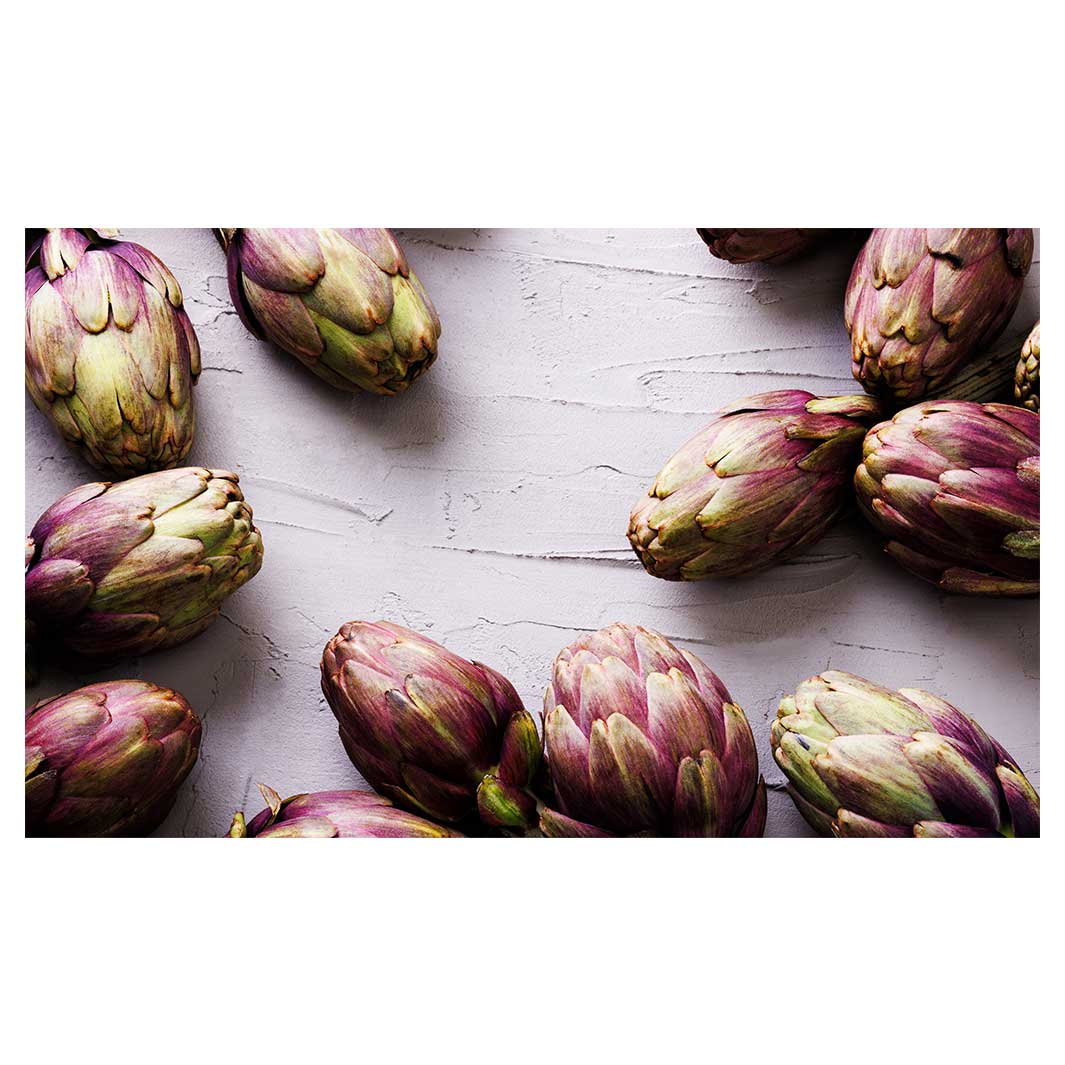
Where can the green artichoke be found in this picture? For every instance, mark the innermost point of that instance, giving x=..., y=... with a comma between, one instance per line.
x=759, y=484
x=1026, y=377
x=643, y=739
x=921, y=302
x=439, y=735
x=107, y=759
x=122, y=569
x=334, y=814
x=343, y=301
x=111, y=356
x=955, y=488
x=862, y=760
x=759, y=245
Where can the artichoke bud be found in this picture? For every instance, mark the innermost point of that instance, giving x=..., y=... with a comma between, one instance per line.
x=343, y=301
x=107, y=759
x=436, y=733
x=921, y=303
x=111, y=356
x=122, y=569
x=759, y=245
x=643, y=739
x=889, y=763
x=954, y=486
x=334, y=815
x=759, y=484
x=1026, y=373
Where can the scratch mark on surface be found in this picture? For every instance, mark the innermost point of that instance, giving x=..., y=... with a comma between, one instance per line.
x=651, y=375
x=375, y=517
x=310, y=621
x=522, y=621
x=613, y=556
x=275, y=651
x=720, y=356
x=591, y=264
x=678, y=637
x=887, y=650
x=518, y=472
x=294, y=525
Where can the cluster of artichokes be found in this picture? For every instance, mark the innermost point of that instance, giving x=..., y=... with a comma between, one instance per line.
x=116, y=569
x=638, y=737
x=952, y=484
x=112, y=357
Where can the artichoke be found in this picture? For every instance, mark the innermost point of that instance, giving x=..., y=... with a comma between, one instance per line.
x=955, y=488
x=121, y=569
x=343, y=301
x=643, y=739
x=921, y=302
x=1026, y=377
x=336, y=814
x=111, y=356
x=107, y=759
x=439, y=735
x=761, y=482
x=759, y=245
x=862, y=760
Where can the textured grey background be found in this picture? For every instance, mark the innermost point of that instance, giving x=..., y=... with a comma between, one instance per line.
x=487, y=507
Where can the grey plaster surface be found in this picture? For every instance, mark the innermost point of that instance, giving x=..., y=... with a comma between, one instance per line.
x=487, y=507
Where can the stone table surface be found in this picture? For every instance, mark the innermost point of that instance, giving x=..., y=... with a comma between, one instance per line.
x=487, y=507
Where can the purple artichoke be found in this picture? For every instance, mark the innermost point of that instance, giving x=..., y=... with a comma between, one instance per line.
x=760, y=245
x=439, y=735
x=107, y=759
x=862, y=760
x=335, y=814
x=643, y=739
x=921, y=302
x=111, y=356
x=122, y=569
x=343, y=301
x=955, y=488
x=1026, y=375
x=759, y=484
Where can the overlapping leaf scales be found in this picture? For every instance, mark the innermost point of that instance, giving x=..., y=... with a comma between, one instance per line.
x=870, y=775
